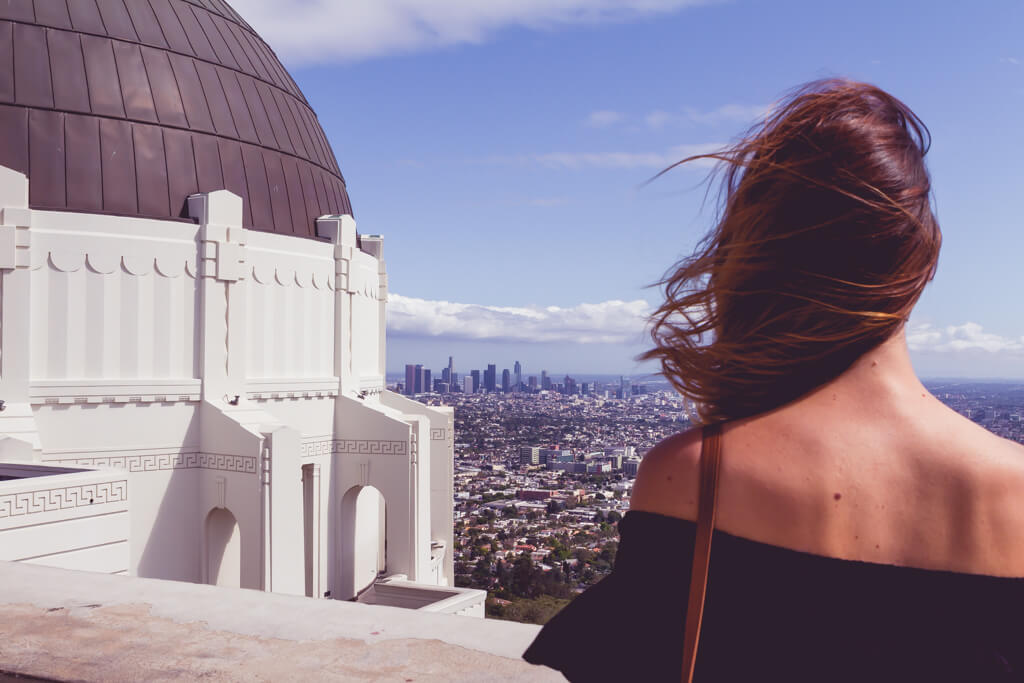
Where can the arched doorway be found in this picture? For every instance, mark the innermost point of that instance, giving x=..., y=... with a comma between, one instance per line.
x=223, y=549
x=363, y=542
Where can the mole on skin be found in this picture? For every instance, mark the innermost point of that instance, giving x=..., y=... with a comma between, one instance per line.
x=837, y=496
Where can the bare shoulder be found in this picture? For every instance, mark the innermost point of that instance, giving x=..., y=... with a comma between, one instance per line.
x=667, y=481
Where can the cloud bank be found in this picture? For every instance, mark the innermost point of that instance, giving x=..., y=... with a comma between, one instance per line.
x=953, y=338
x=620, y=322
x=321, y=31
x=608, y=322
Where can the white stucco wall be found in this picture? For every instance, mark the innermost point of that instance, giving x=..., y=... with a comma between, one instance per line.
x=60, y=517
x=217, y=370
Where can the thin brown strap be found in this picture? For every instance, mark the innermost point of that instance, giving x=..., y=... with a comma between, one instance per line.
x=710, y=456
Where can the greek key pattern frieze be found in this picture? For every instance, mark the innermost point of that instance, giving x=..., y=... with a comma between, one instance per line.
x=245, y=464
x=442, y=434
x=62, y=498
x=353, y=447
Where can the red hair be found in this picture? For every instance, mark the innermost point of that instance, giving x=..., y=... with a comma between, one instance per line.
x=824, y=242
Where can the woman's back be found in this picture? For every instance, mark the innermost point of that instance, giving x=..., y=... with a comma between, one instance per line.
x=869, y=467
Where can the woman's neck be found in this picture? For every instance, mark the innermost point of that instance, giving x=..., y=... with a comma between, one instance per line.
x=883, y=379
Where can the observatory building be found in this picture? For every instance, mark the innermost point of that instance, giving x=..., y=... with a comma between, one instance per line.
x=192, y=337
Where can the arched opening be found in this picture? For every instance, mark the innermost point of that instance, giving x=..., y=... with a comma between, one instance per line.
x=363, y=541
x=223, y=549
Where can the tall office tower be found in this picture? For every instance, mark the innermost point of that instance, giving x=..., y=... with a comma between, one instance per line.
x=529, y=455
x=476, y=381
x=517, y=374
x=410, y=380
x=569, y=386
x=532, y=383
x=506, y=380
x=490, y=378
x=445, y=376
x=545, y=381
x=418, y=379
x=625, y=388
x=467, y=385
x=451, y=370
x=427, y=386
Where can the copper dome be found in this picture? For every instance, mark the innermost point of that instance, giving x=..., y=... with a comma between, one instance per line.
x=128, y=106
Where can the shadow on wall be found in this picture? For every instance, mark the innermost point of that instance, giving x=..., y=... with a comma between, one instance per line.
x=165, y=514
x=223, y=549
x=362, y=539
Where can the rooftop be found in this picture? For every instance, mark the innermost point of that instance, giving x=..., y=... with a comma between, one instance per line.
x=60, y=624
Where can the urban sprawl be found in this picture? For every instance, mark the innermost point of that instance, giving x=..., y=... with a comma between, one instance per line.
x=544, y=470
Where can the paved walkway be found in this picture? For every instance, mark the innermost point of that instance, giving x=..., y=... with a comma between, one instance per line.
x=62, y=625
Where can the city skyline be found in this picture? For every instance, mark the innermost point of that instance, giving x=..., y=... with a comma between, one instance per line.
x=522, y=222
x=417, y=378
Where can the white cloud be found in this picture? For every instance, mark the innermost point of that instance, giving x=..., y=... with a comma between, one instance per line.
x=603, y=118
x=727, y=113
x=657, y=119
x=319, y=31
x=609, y=322
x=653, y=160
x=1010, y=60
x=953, y=338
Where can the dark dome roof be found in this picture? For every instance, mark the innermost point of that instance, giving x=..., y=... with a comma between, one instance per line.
x=128, y=106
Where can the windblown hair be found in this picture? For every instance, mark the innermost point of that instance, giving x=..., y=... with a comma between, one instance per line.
x=825, y=239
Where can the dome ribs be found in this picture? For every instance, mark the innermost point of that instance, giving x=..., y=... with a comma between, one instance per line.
x=53, y=13
x=146, y=24
x=280, y=203
x=197, y=110
x=18, y=10
x=46, y=159
x=135, y=90
x=31, y=67
x=101, y=72
x=259, y=188
x=82, y=156
x=194, y=32
x=128, y=106
x=70, y=87
x=117, y=157
x=181, y=170
x=6, y=61
x=151, y=170
x=117, y=21
x=85, y=17
x=14, y=142
x=166, y=95
x=170, y=24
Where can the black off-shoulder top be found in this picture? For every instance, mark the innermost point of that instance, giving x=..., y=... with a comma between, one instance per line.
x=775, y=614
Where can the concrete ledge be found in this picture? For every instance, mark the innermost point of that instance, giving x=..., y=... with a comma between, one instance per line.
x=68, y=625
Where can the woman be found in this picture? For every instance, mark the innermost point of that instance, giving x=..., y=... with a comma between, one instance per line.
x=864, y=531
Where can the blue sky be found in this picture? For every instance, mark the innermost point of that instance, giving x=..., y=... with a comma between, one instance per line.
x=500, y=147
